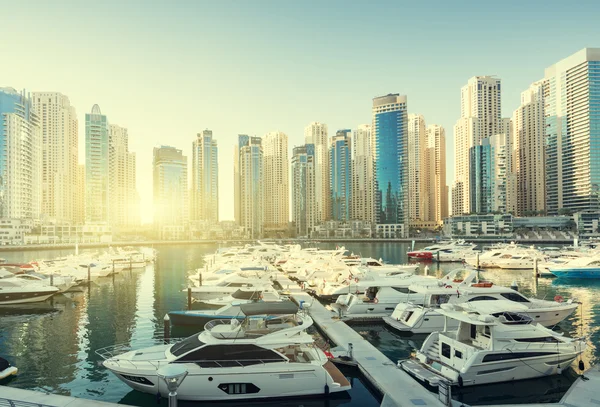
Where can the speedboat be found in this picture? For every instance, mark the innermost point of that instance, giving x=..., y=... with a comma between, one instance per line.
x=64, y=284
x=491, y=349
x=257, y=358
x=585, y=267
x=6, y=369
x=17, y=291
x=454, y=251
x=426, y=318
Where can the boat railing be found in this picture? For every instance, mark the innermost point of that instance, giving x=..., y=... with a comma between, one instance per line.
x=211, y=324
x=114, y=351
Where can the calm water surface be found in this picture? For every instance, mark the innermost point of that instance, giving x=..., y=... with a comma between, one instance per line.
x=53, y=343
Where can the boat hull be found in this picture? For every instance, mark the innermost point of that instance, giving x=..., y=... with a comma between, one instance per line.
x=197, y=319
x=588, y=272
x=212, y=384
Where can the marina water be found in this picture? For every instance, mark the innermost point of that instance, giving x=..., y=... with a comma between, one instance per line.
x=53, y=343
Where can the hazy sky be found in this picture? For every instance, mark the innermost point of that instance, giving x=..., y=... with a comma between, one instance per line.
x=166, y=70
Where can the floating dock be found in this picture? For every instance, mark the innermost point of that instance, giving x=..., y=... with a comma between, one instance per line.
x=13, y=397
x=397, y=387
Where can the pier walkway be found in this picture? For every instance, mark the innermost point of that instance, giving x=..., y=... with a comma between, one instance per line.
x=398, y=388
x=13, y=397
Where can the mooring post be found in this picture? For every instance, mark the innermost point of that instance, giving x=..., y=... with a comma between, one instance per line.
x=89, y=275
x=477, y=257
x=166, y=329
x=113, y=267
x=535, y=268
x=438, y=256
x=350, y=351
x=189, y=298
x=52, y=279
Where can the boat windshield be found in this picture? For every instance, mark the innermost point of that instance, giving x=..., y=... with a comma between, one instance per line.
x=512, y=318
x=186, y=345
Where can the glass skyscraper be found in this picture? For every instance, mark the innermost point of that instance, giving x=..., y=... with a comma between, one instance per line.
x=248, y=185
x=389, y=144
x=340, y=175
x=572, y=101
x=20, y=157
x=303, y=189
x=205, y=178
x=171, y=203
x=96, y=166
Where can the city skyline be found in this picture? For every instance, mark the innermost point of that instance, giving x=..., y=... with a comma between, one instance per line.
x=147, y=67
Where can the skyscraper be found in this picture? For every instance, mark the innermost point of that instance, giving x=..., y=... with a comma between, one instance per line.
x=59, y=130
x=362, y=175
x=417, y=174
x=303, y=189
x=79, y=206
x=250, y=185
x=205, y=178
x=480, y=114
x=435, y=166
x=572, y=110
x=96, y=166
x=20, y=157
x=170, y=192
x=276, y=182
x=123, y=196
x=389, y=144
x=316, y=133
x=340, y=163
x=529, y=160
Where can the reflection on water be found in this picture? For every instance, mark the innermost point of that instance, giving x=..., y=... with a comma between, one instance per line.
x=53, y=343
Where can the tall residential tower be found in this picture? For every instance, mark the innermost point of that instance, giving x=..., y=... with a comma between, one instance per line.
x=96, y=166
x=316, y=133
x=205, y=178
x=171, y=204
x=340, y=175
x=276, y=182
x=389, y=144
x=59, y=130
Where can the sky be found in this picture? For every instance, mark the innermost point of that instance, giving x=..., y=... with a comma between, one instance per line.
x=167, y=70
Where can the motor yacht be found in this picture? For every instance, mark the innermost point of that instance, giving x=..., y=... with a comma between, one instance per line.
x=381, y=296
x=63, y=284
x=490, y=349
x=18, y=291
x=448, y=251
x=413, y=318
x=257, y=358
x=226, y=285
x=584, y=267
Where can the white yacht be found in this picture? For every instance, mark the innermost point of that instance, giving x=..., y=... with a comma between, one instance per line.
x=64, y=284
x=226, y=285
x=381, y=296
x=490, y=349
x=256, y=359
x=18, y=291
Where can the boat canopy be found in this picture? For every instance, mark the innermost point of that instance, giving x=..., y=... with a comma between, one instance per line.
x=269, y=308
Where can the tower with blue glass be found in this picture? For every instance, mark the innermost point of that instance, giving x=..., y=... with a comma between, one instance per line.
x=389, y=143
x=340, y=175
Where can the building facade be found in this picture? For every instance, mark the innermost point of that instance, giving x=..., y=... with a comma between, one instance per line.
x=389, y=143
x=123, y=196
x=316, y=134
x=59, y=133
x=340, y=175
x=171, y=203
x=250, y=186
x=205, y=178
x=303, y=190
x=79, y=207
x=362, y=175
x=436, y=190
x=572, y=123
x=276, y=182
x=20, y=157
x=480, y=118
x=97, y=166
x=417, y=172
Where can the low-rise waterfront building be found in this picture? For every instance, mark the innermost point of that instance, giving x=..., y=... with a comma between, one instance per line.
x=13, y=231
